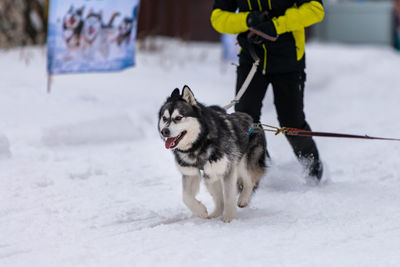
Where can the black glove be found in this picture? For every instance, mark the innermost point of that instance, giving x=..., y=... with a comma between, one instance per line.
x=245, y=44
x=267, y=27
x=255, y=18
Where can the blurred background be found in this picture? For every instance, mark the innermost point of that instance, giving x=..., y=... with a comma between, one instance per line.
x=23, y=22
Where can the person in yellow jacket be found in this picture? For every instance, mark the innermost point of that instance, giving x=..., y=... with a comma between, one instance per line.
x=282, y=61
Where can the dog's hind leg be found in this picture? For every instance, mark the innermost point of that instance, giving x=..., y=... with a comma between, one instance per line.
x=215, y=189
x=230, y=189
x=191, y=185
x=245, y=195
x=256, y=156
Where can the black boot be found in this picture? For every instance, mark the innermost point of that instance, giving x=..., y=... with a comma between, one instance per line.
x=306, y=151
x=315, y=170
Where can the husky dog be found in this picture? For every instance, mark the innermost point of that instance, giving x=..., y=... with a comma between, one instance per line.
x=219, y=147
x=124, y=31
x=72, y=27
x=125, y=28
x=92, y=29
x=96, y=33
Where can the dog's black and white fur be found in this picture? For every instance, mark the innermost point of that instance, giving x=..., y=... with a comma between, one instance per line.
x=72, y=27
x=211, y=144
x=97, y=35
x=124, y=31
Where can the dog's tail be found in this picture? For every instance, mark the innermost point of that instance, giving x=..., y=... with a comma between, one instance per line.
x=256, y=155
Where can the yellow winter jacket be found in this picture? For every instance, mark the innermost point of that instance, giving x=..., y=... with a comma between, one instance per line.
x=289, y=17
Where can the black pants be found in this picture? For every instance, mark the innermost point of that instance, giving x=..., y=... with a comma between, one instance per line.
x=288, y=91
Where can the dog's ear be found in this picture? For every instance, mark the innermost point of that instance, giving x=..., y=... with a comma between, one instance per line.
x=175, y=94
x=80, y=11
x=188, y=96
x=71, y=8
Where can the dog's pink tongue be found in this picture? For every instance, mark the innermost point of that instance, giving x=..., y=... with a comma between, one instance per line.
x=170, y=142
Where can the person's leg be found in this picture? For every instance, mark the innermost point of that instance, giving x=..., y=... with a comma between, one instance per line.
x=251, y=101
x=288, y=98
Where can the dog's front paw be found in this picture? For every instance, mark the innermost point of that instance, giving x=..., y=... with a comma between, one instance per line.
x=215, y=214
x=201, y=211
x=228, y=217
x=243, y=202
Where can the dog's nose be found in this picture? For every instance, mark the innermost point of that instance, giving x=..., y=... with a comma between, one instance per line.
x=165, y=132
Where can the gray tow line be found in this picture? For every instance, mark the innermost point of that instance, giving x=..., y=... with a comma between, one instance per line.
x=253, y=69
x=245, y=85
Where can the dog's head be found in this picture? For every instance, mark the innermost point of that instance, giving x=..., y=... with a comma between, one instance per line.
x=125, y=27
x=73, y=18
x=92, y=26
x=179, y=124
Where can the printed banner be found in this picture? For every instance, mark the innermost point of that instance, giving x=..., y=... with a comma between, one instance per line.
x=91, y=35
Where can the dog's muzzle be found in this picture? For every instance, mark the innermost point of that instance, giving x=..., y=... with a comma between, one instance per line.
x=172, y=142
x=165, y=132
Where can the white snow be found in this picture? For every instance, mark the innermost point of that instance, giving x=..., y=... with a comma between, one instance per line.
x=4, y=147
x=103, y=130
x=89, y=182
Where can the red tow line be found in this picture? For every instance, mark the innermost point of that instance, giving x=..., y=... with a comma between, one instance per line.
x=300, y=132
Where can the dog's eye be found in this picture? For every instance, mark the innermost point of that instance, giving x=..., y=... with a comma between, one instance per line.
x=164, y=119
x=178, y=118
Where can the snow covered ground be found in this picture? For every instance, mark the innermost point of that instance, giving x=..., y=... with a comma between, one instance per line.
x=86, y=181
